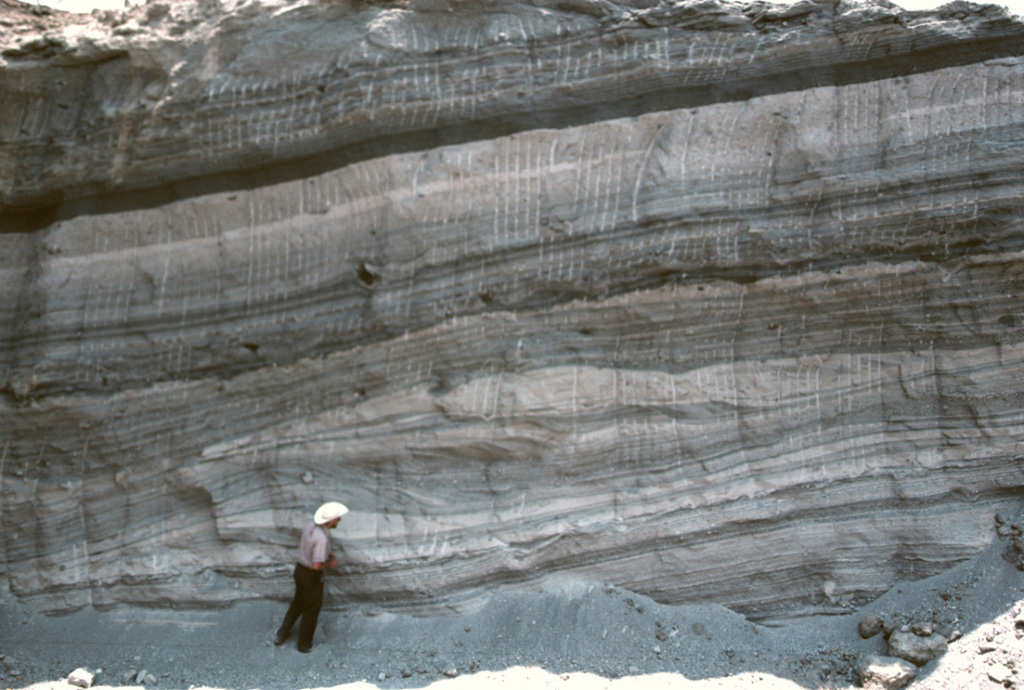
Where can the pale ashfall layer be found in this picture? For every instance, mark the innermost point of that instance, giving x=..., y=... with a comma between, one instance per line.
x=710, y=301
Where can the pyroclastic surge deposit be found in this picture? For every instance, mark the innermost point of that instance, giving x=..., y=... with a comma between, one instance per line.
x=713, y=301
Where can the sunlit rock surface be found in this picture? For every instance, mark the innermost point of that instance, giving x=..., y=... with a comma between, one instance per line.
x=711, y=301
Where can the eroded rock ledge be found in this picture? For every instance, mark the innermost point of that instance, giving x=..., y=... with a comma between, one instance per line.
x=714, y=302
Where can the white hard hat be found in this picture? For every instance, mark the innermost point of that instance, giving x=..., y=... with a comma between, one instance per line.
x=328, y=512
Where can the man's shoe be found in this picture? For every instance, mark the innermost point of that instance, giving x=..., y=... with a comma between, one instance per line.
x=279, y=638
x=306, y=650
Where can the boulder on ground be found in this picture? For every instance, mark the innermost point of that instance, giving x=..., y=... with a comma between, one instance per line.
x=885, y=672
x=916, y=649
x=81, y=678
x=869, y=626
x=1000, y=673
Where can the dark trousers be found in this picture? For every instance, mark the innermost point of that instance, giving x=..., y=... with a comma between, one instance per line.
x=309, y=595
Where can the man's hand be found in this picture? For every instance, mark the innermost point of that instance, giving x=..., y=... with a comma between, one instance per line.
x=332, y=562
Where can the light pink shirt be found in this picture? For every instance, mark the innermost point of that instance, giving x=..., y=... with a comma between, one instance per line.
x=315, y=546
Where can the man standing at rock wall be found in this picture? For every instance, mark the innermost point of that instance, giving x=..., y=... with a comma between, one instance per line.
x=314, y=558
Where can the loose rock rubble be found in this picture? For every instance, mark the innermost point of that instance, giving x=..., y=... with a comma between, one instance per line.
x=8, y=670
x=923, y=658
x=138, y=677
x=1013, y=533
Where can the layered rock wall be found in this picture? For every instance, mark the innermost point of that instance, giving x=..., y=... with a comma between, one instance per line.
x=712, y=302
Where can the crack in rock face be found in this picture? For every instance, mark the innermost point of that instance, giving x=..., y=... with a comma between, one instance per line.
x=715, y=303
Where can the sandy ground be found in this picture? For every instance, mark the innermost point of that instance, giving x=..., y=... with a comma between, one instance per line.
x=571, y=637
